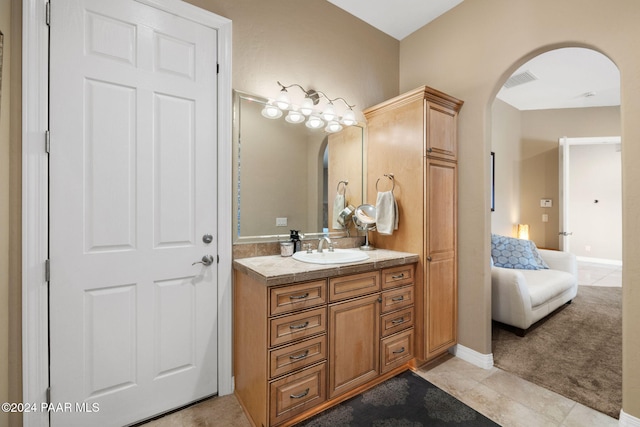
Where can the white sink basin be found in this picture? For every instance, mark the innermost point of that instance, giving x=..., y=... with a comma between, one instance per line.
x=338, y=256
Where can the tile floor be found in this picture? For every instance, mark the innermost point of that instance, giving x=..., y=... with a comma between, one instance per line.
x=506, y=399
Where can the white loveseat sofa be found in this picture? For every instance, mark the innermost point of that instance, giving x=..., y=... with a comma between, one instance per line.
x=521, y=297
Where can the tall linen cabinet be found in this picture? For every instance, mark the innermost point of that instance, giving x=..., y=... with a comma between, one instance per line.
x=414, y=137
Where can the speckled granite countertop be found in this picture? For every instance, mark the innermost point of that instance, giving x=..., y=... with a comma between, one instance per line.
x=278, y=270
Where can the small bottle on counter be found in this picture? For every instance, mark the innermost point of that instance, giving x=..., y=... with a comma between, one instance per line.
x=295, y=239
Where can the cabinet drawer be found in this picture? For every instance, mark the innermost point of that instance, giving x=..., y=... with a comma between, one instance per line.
x=297, y=326
x=295, y=297
x=295, y=356
x=397, y=299
x=398, y=276
x=296, y=393
x=396, y=350
x=394, y=322
x=353, y=285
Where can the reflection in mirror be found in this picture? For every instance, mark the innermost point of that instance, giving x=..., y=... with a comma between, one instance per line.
x=288, y=177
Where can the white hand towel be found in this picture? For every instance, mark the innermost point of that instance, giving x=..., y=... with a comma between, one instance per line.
x=338, y=206
x=386, y=213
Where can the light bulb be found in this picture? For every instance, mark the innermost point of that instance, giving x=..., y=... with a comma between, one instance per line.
x=333, y=127
x=283, y=101
x=307, y=106
x=329, y=113
x=294, y=116
x=314, y=122
x=349, y=118
x=270, y=111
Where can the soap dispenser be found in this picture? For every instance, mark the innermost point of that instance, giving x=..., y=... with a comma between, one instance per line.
x=295, y=239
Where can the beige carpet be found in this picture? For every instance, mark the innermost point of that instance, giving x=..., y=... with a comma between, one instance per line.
x=576, y=352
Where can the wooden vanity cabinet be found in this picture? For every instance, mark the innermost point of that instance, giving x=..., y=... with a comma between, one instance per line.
x=303, y=347
x=414, y=137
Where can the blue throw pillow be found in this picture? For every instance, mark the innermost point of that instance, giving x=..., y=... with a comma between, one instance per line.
x=509, y=252
x=536, y=255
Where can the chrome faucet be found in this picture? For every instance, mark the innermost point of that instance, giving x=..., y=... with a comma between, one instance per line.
x=321, y=242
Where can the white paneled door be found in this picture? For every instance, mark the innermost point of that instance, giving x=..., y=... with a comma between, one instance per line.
x=132, y=206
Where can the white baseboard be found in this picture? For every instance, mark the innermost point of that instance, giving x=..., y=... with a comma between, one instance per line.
x=600, y=260
x=627, y=420
x=484, y=361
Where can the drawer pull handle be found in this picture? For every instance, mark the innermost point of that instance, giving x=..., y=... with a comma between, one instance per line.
x=398, y=321
x=400, y=298
x=399, y=351
x=300, y=356
x=299, y=296
x=299, y=396
x=398, y=276
x=300, y=326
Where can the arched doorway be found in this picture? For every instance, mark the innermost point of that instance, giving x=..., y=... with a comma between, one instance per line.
x=527, y=171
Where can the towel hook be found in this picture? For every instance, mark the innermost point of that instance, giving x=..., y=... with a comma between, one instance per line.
x=393, y=181
x=344, y=189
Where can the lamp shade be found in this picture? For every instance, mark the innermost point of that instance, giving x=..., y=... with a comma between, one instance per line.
x=349, y=118
x=294, y=116
x=314, y=122
x=329, y=113
x=306, y=107
x=333, y=127
x=283, y=101
x=523, y=231
x=270, y=111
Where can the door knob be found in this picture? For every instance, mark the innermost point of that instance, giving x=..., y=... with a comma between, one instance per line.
x=206, y=260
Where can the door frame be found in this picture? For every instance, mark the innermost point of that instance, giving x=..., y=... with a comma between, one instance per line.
x=35, y=231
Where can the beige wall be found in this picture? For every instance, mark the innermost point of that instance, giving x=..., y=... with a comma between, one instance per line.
x=312, y=43
x=10, y=220
x=469, y=53
x=539, y=174
x=526, y=146
x=506, y=133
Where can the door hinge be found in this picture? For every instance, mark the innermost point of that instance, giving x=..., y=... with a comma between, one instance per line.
x=47, y=13
x=47, y=141
x=47, y=270
x=218, y=259
x=217, y=68
x=48, y=395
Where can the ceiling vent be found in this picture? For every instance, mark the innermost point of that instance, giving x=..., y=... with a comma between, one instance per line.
x=520, y=79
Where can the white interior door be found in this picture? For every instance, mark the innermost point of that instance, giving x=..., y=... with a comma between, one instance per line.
x=132, y=195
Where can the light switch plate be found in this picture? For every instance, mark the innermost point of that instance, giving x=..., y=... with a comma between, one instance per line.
x=281, y=222
x=546, y=203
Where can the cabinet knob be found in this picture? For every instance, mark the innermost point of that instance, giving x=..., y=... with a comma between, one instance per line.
x=429, y=258
x=429, y=150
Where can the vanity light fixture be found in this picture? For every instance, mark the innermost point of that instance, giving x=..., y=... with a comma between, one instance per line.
x=307, y=108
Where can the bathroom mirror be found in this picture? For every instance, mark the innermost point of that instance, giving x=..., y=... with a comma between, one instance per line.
x=286, y=176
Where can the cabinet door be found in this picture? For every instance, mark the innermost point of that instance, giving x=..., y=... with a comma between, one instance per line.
x=441, y=131
x=354, y=340
x=441, y=294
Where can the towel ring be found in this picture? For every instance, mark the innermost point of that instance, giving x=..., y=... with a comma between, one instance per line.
x=393, y=181
x=345, y=186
